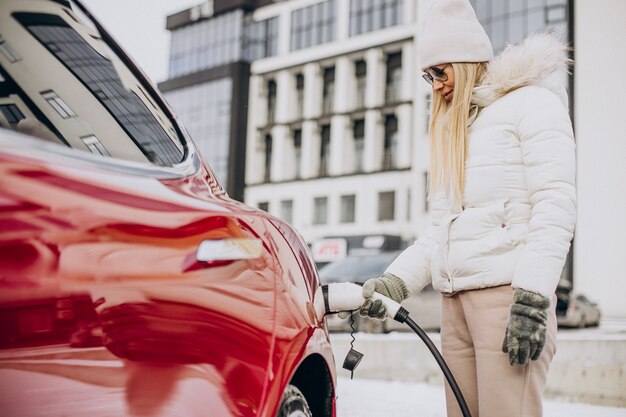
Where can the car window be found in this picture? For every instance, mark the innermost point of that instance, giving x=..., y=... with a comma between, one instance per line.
x=357, y=268
x=59, y=81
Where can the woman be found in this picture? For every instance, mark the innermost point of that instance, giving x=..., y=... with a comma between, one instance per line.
x=502, y=180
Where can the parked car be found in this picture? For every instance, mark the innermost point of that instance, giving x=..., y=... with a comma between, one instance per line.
x=424, y=308
x=130, y=283
x=576, y=310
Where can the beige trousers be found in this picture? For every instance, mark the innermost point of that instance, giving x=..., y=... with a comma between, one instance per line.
x=472, y=330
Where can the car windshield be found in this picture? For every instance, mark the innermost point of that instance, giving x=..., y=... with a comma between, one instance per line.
x=61, y=82
x=357, y=268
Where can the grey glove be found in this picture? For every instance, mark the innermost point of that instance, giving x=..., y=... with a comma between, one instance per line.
x=388, y=285
x=525, y=334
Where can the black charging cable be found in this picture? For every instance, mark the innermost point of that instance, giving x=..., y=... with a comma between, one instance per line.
x=403, y=317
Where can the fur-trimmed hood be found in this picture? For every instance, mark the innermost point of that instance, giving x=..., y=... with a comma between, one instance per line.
x=541, y=60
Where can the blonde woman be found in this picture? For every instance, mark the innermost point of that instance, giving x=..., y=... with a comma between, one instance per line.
x=504, y=209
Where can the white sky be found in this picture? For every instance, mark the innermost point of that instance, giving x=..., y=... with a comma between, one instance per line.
x=139, y=26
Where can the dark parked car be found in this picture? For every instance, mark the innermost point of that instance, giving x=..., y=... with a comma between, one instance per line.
x=425, y=307
x=576, y=310
x=130, y=283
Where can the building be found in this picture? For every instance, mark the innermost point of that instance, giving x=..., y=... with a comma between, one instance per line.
x=332, y=120
x=211, y=47
x=336, y=119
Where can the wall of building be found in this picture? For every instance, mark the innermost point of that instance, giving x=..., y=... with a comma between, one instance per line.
x=600, y=88
x=301, y=181
x=366, y=190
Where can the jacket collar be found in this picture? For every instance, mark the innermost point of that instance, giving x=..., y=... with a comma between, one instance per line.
x=541, y=60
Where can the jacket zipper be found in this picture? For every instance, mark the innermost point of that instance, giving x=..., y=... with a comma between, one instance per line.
x=447, y=249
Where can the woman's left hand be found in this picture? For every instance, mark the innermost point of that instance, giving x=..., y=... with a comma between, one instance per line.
x=525, y=334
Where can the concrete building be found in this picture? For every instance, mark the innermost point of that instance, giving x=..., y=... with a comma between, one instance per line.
x=332, y=120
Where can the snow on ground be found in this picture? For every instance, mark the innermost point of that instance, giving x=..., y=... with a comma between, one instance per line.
x=376, y=398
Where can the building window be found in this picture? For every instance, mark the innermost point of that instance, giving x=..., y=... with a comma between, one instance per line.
x=205, y=111
x=556, y=13
x=367, y=15
x=320, y=210
x=347, y=214
x=328, y=91
x=297, y=147
x=391, y=142
x=58, y=104
x=393, y=82
x=268, y=158
x=271, y=101
x=360, y=72
x=286, y=210
x=264, y=205
x=427, y=105
x=8, y=51
x=510, y=21
x=12, y=113
x=299, y=96
x=313, y=25
x=94, y=145
x=261, y=39
x=386, y=206
x=209, y=43
x=358, y=132
x=324, y=150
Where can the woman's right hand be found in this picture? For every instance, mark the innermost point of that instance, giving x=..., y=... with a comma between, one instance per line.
x=388, y=285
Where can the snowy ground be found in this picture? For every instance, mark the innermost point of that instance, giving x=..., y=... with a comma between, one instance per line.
x=375, y=398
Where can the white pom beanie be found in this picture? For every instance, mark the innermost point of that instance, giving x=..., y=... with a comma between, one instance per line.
x=452, y=33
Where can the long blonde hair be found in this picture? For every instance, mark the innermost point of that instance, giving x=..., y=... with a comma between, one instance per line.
x=448, y=132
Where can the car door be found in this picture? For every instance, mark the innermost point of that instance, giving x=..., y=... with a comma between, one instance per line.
x=126, y=273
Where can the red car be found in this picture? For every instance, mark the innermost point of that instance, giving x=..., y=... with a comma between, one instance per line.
x=130, y=283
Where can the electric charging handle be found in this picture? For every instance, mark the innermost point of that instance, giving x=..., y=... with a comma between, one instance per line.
x=347, y=296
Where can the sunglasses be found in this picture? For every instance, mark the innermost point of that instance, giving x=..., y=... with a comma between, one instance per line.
x=435, y=73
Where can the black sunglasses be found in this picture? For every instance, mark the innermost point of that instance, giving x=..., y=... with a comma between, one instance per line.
x=435, y=73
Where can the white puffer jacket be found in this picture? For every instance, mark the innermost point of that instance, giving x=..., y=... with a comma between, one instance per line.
x=519, y=202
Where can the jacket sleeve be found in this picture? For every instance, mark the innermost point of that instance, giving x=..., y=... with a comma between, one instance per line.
x=413, y=264
x=548, y=152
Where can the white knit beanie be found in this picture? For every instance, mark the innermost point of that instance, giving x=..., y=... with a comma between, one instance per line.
x=452, y=33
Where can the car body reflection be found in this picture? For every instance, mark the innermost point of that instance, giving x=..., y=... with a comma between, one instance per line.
x=106, y=307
